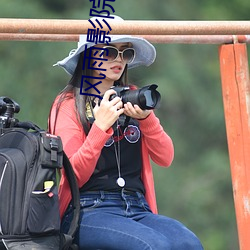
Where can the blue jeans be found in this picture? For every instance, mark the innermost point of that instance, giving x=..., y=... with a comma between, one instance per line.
x=124, y=221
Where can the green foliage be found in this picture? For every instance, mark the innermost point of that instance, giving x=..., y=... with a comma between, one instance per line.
x=197, y=188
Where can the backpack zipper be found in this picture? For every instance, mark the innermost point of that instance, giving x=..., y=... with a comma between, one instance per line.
x=1, y=181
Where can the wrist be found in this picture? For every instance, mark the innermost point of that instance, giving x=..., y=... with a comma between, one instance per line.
x=101, y=126
x=146, y=115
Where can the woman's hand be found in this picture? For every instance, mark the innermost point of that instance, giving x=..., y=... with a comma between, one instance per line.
x=135, y=111
x=109, y=111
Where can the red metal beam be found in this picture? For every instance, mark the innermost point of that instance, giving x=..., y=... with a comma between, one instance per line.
x=161, y=39
x=53, y=26
x=236, y=97
x=38, y=37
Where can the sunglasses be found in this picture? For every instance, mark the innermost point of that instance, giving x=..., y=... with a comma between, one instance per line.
x=112, y=53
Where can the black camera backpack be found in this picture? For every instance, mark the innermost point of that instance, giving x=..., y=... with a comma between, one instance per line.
x=29, y=208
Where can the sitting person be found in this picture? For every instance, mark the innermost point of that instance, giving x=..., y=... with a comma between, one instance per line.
x=111, y=156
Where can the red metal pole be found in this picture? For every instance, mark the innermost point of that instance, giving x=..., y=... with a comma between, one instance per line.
x=236, y=97
x=57, y=26
x=161, y=39
x=38, y=37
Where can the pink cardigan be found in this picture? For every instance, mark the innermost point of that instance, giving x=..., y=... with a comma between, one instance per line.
x=84, y=151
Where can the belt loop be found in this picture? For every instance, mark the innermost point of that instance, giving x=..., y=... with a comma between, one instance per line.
x=139, y=195
x=102, y=195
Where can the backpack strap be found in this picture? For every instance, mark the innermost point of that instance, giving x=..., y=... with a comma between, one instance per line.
x=67, y=239
x=75, y=194
x=28, y=125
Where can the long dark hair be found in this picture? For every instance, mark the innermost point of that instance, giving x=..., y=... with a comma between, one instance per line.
x=73, y=87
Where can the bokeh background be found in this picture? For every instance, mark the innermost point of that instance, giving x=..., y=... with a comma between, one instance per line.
x=197, y=188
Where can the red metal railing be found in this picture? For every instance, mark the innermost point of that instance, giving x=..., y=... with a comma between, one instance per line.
x=52, y=26
x=164, y=39
x=232, y=37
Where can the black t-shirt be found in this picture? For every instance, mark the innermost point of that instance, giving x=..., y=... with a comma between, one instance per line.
x=106, y=172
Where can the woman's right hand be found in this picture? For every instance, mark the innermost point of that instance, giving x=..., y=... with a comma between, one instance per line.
x=107, y=113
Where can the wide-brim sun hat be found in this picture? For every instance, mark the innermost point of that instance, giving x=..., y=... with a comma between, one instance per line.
x=145, y=53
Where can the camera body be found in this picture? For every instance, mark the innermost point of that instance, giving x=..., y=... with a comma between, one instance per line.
x=7, y=109
x=146, y=98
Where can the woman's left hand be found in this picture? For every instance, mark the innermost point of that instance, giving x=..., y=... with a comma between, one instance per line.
x=135, y=111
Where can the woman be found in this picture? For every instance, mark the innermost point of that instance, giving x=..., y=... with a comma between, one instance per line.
x=109, y=144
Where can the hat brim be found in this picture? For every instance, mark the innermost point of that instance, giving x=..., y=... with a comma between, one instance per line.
x=144, y=51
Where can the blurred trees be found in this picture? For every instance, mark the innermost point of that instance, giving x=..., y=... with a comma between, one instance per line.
x=197, y=188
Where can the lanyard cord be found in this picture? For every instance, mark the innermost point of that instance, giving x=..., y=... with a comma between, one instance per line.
x=118, y=151
x=120, y=181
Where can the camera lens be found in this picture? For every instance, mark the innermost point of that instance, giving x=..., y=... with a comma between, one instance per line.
x=146, y=98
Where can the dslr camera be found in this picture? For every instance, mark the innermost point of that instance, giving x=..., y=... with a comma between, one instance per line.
x=146, y=98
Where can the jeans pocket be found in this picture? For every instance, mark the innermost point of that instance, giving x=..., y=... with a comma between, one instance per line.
x=89, y=203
